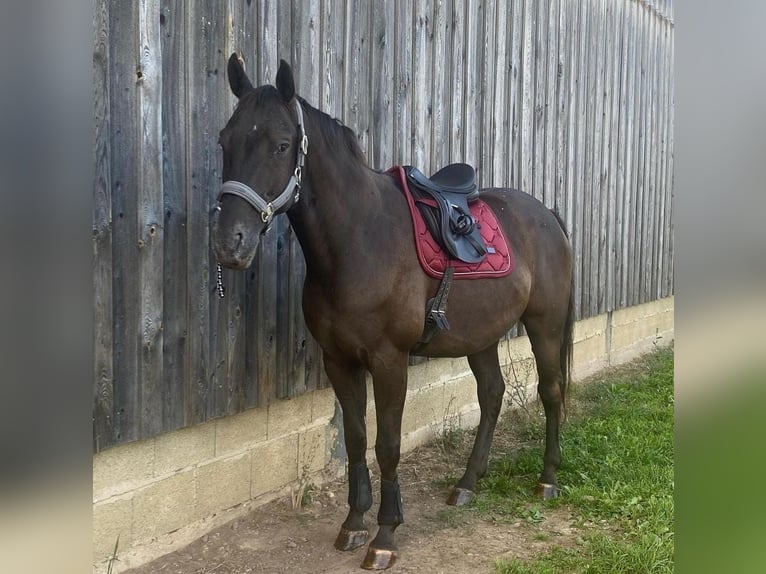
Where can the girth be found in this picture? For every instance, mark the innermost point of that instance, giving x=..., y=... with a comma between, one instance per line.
x=443, y=201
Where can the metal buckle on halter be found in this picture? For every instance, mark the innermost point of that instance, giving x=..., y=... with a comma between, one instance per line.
x=304, y=143
x=267, y=214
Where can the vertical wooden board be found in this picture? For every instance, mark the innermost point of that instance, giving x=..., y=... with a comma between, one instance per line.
x=306, y=48
x=285, y=30
x=639, y=265
x=551, y=106
x=604, y=185
x=648, y=189
x=266, y=57
x=472, y=78
x=563, y=73
x=201, y=105
x=382, y=84
x=597, y=216
x=659, y=158
x=486, y=136
x=613, y=208
x=590, y=173
x=356, y=112
x=103, y=367
x=618, y=298
x=440, y=87
x=527, y=97
x=580, y=227
x=631, y=160
x=456, y=54
x=539, y=99
x=644, y=154
x=333, y=26
x=174, y=169
x=668, y=231
x=421, y=85
x=124, y=169
x=514, y=93
x=150, y=220
x=652, y=235
x=501, y=113
x=574, y=71
x=402, y=107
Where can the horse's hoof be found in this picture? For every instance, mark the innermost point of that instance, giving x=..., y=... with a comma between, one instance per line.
x=350, y=539
x=379, y=559
x=460, y=496
x=547, y=491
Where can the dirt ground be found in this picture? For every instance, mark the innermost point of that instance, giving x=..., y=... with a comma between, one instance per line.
x=434, y=539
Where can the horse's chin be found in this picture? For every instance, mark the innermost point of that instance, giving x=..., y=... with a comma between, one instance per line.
x=238, y=263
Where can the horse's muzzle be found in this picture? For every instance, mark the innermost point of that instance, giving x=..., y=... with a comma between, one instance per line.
x=234, y=244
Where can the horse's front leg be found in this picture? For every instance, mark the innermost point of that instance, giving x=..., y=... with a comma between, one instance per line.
x=348, y=381
x=389, y=379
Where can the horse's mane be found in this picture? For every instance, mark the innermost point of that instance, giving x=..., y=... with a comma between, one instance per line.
x=337, y=136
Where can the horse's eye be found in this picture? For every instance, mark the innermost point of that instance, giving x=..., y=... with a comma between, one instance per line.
x=283, y=147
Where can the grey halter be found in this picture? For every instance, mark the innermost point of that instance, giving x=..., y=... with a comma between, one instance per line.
x=290, y=194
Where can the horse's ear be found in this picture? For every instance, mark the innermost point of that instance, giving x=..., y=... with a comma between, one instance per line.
x=238, y=80
x=285, y=81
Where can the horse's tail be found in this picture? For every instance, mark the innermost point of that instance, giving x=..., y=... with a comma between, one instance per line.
x=567, y=341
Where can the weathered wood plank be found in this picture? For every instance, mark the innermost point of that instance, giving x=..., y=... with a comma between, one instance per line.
x=579, y=228
x=563, y=73
x=624, y=110
x=123, y=37
x=103, y=364
x=551, y=108
x=486, y=49
x=514, y=93
x=382, y=85
x=403, y=97
x=440, y=87
x=472, y=79
x=421, y=85
x=199, y=287
x=539, y=100
x=527, y=97
x=174, y=169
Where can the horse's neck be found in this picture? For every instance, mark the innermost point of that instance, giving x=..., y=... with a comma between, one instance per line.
x=338, y=204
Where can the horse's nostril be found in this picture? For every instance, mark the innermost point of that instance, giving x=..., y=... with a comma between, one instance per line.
x=240, y=237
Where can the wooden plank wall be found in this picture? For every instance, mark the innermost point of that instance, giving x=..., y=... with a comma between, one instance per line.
x=571, y=101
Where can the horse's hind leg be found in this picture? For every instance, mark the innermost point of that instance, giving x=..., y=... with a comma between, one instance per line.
x=490, y=386
x=546, y=346
x=350, y=388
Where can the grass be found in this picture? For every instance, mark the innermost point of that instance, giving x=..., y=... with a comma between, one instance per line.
x=616, y=476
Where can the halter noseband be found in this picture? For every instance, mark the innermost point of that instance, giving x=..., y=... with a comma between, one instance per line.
x=290, y=194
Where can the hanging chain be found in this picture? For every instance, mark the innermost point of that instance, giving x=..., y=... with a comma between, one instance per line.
x=219, y=281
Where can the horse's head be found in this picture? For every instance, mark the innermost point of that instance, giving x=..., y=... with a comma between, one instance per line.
x=263, y=150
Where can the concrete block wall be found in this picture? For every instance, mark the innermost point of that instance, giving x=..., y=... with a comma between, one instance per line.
x=160, y=494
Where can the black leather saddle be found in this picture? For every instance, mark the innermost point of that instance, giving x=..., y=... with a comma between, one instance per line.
x=443, y=201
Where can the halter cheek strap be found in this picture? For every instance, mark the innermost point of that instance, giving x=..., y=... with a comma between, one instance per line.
x=290, y=194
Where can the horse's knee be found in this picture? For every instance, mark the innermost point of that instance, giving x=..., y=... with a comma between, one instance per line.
x=387, y=453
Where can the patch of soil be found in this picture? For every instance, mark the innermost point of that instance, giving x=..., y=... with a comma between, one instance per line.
x=435, y=538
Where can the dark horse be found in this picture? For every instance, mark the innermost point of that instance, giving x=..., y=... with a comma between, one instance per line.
x=365, y=292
